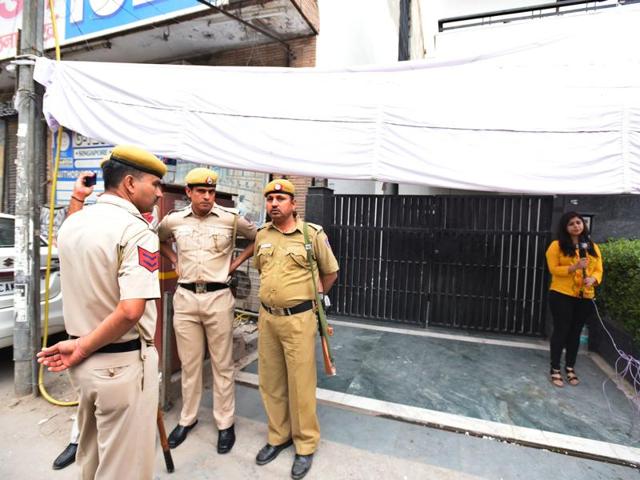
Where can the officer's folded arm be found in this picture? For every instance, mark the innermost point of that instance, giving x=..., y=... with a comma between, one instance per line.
x=327, y=281
x=244, y=255
x=166, y=250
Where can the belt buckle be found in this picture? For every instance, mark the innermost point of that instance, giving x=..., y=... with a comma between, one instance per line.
x=201, y=287
x=278, y=311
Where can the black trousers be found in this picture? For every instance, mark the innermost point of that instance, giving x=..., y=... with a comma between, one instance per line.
x=569, y=316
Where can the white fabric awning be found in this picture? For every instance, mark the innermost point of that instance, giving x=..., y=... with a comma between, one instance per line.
x=561, y=115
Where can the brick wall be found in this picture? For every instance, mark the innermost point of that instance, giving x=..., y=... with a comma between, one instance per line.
x=309, y=10
x=274, y=55
x=269, y=55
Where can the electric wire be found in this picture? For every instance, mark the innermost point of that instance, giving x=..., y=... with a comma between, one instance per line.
x=47, y=277
x=626, y=367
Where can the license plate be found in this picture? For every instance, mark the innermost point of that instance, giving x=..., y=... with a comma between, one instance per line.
x=6, y=288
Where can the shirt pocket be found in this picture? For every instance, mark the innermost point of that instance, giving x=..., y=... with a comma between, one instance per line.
x=185, y=238
x=297, y=256
x=265, y=256
x=218, y=239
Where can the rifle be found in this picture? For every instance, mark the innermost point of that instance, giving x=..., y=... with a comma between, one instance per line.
x=168, y=460
x=324, y=329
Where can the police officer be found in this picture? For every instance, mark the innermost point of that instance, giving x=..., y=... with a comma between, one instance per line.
x=287, y=326
x=203, y=303
x=109, y=263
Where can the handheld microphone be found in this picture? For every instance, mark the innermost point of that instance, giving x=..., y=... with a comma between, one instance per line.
x=583, y=245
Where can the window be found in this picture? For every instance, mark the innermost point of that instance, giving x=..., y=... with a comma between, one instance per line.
x=7, y=232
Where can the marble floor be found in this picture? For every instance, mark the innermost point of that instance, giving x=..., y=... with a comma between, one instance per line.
x=495, y=382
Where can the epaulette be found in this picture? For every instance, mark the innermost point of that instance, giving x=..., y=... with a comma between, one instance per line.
x=177, y=210
x=264, y=225
x=228, y=209
x=315, y=226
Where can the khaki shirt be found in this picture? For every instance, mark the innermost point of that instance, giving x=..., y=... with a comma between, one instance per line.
x=204, y=243
x=281, y=258
x=108, y=252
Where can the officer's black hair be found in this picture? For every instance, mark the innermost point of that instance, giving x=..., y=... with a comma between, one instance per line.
x=113, y=172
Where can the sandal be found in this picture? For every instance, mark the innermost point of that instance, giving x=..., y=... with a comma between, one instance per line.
x=555, y=377
x=572, y=378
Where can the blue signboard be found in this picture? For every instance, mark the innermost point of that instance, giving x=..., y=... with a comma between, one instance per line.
x=79, y=154
x=90, y=17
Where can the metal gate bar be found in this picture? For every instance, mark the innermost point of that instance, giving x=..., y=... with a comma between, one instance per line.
x=468, y=262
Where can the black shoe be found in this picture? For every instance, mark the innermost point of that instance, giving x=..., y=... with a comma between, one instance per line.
x=226, y=439
x=179, y=434
x=67, y=457
x=269, y=452
x=301, y=466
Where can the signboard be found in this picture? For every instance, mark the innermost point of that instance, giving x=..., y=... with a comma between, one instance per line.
x=79, y=154
x=11, y=22
x=91, y=18
x=81, y=20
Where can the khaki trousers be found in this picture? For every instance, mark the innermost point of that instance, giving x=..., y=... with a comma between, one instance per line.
x=117, y=414
x=287, y=378
x=198, y=317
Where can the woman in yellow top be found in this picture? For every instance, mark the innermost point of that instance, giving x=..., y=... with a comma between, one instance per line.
x=575, y=264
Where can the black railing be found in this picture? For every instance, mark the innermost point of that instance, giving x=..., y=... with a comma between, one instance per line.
x=471, y=262
x=492, y=17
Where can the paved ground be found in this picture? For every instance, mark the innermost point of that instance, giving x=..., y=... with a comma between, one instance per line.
x=502, y=380
x=353, y=446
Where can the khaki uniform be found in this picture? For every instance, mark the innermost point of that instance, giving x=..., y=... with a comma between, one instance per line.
x=109, y=253
x=286, y=344
x=205, y=246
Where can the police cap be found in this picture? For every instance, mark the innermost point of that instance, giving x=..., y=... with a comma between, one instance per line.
x=280, y=185
x=137, y=158
x=201, y=177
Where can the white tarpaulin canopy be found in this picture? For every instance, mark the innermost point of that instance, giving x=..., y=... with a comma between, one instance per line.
x=561, y=115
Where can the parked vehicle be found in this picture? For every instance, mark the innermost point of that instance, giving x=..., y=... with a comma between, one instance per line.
x=7, y=259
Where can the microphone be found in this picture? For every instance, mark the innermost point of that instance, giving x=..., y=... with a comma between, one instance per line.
x=583, y=246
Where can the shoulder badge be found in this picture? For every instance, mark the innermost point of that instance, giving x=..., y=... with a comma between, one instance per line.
x=148, y=260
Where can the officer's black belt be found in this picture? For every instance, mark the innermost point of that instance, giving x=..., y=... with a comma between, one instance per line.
x=204, y=286
x=282, y=312
x=122, y=347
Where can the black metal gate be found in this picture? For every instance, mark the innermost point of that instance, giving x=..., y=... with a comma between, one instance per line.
x=469, y=262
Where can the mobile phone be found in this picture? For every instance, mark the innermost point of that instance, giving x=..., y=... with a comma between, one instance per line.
x=90, y=180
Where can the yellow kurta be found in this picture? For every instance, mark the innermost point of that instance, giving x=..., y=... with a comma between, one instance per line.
x=571, y=283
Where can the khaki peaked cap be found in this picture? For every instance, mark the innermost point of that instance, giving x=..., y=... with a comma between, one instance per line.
x=280, y=185
x=137, y=158
x=201, y=176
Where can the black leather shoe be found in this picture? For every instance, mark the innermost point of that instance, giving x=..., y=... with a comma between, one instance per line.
x=179, y=434
x=269, y=452
x=301, y=466
x=67, y=457
x=226, y=439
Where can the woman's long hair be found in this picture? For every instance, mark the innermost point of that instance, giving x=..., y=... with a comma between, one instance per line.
x=564, y=239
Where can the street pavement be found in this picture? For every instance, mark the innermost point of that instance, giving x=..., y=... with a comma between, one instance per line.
x=353, y=445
